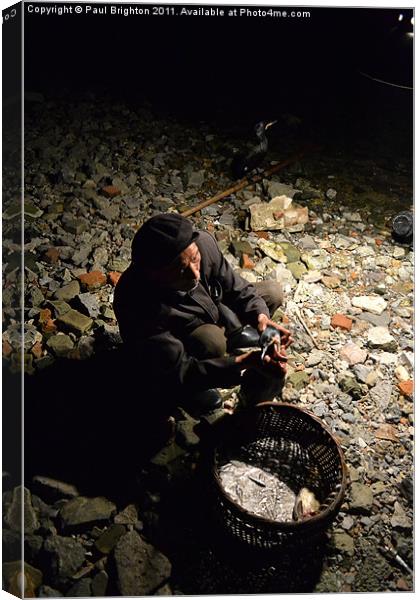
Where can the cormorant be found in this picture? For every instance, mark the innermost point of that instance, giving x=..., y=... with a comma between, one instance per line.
x=244, y=164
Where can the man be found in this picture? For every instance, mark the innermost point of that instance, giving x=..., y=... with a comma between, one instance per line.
x=180, y=306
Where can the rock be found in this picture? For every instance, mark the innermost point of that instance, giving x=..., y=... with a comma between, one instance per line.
x=110, y=191
x=399, y=519
x=379, y=337
x=141, y=568
x=342, y=322
x=14, y=516
x=100, y=584
x=361, y=499
x=80, y=589
x=352, y=354
x=315, y=357
x=240, y=247
x=401, y=373
x=32, y=547
x=45, y=591
x=53, y=489
x=68, y=555
x=307, y=242
x=386, y=432
x=68, y=292
x=246, y=262
x=275, y=188
x=276, y=214
x=406, y=388
x=92, y=280
x=364, y=374
x=298, y=269
x=331, y=193
x=381, y=394
x=347, y=523
x=377, y=320
x=128, y=516
x=113, y=277
x=197, y=178
x=60, y=307
x=80, y=510
x=373, y=304
x=272, y=250
x=343, y=542
x=350, y=386
x=75, y=321
x=88, y=304
x=291, y=252
x=331, y=282
x=298, y=379
x=316, y=260
x=17, y=577
x=108, y=540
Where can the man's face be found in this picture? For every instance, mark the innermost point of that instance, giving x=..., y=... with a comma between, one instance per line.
x=183, y=274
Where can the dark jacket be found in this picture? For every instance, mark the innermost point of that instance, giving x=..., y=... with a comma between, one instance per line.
x=154, y=323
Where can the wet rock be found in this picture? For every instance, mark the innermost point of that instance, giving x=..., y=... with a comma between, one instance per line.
x=21, y=515
x=67, y=555
x=373, y=304
x=141, y=568
x=379, y=337
x=361, y=499
x=68, y=292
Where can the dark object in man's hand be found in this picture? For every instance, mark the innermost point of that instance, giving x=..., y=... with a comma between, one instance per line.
x=269, y=338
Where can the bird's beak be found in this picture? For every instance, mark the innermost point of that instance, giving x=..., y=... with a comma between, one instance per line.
x=270, y=124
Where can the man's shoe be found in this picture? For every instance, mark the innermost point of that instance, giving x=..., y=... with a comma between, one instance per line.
x=202, y=403
x=247, y=337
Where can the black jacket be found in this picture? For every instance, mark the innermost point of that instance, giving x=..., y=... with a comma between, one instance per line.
x=154, y=322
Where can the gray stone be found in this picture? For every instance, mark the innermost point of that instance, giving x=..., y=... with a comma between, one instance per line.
x=399, y=519
x=242, y=246
x=379, y=337
x=80, y=589
x=378, y=320
x=307, y=242
x=197, y=178
x=347, y=523
x=343, y=542
x=60, y=344
x=316, y=260
x=68, y=292
x=88, y=304
x=331, y=193
x=381, y=394
x=100, y=584
x=315, y=357
x=361, y=499
x=15, y=519
x=59, y=307
x=372, y=304
x=74, y=321
x=141, y=568
x=81, y=255
x=275, y=188
x=362, y=373
x=86, y=510
x=68, y=555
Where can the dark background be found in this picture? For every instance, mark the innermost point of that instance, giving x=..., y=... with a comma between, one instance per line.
x=226, y=68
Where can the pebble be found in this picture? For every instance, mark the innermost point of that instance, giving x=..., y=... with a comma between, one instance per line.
x=379, y=337
x=373, y=304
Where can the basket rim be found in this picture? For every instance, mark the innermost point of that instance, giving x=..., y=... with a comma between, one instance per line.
x=291, y=525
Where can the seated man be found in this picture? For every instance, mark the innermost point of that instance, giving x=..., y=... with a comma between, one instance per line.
x=180, y=306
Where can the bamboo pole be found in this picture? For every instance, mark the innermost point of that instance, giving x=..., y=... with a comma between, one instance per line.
x=245, y=182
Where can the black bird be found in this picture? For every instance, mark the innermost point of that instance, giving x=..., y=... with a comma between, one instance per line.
x=269, y=338
x=244, y=164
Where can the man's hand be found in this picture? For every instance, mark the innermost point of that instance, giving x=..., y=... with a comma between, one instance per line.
x=272, y=365
x=285, y=335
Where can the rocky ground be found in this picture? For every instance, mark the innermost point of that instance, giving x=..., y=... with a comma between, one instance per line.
x=94, y=173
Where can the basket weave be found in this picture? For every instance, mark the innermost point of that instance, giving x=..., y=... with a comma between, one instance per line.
x=300, y=450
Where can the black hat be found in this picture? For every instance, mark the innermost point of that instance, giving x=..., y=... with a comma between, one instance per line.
x=161, y=239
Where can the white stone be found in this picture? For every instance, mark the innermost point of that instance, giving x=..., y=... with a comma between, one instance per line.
x=386, y=358
x=373, y=304
x=401, y=373
x=398, y=252
x=379, y=337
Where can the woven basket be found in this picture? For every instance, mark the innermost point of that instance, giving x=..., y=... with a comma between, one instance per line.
x=272, y=435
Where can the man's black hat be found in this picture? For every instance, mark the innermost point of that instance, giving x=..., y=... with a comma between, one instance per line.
x=161, y=239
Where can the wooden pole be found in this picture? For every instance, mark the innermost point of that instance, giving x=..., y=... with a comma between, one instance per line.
x=245, y=182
